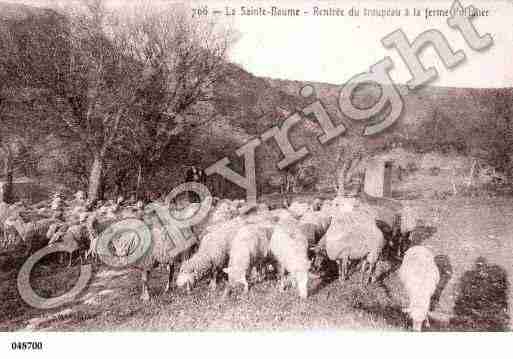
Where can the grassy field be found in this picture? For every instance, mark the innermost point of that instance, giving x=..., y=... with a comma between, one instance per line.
x=472, y=240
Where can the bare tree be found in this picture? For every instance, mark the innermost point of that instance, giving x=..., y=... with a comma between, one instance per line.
x=96, y=88
x=7, y=65
x=183, y=59
x=15, y=133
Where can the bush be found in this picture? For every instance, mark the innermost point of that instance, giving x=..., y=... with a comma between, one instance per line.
x=442, y=195
x=434, y=171
x=412, y=167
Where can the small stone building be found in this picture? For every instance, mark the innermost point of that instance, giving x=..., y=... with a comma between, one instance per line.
x=378, y=178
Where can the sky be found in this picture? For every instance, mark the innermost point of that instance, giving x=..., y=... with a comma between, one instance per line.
x=334, y=49
x=331, y=49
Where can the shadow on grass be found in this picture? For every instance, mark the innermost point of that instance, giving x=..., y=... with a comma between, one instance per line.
x=481, y=304
x=445, y=268
x=420, y=234
x=391, y=314
x=325, y=281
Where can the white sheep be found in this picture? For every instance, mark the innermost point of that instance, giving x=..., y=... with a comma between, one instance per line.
x=162, y=249
x=186, y=212
x=289, y=246
x=211, y=256
x=262, y=208
x=331, y=209
x=112, y=212
x=282, y=213
x=354, y=236
x=317, y=204
x=222, y=212
x=57, y=202
x=74, y=232
x=315, y=224
x=79, y=200
x=326, y=205
x=96, y=224
x=33, y=233
x=342, y=205
x=299, y=208
x=419, y=275
x=249, y=249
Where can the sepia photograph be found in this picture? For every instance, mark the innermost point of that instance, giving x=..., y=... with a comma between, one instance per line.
x=255, y=167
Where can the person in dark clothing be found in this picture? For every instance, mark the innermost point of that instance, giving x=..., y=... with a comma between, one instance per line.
x=189, y=174
x=203, y=177
x=194, y=174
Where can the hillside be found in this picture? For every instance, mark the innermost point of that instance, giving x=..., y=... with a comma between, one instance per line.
x=436, y=122
x=464, y=107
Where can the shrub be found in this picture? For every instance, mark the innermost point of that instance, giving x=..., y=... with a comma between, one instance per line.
x=412, y=167
x=434, y=171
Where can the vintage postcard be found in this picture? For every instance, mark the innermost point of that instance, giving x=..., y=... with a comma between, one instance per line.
x=254, y=168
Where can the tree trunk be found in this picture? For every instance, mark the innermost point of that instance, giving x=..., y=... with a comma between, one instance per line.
x=119, y=182
x=103, y=186
x=471, y=175
x=7, y=189
x=454, y=189
x=139, y=182
x=95, y=178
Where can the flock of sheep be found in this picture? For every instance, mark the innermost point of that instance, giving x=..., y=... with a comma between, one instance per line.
x=247, y=245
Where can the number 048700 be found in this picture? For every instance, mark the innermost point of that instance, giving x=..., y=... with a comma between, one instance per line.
x=26, y=345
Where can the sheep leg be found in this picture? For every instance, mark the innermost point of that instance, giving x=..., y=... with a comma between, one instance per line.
x=281, y=276
x=372, y=272
x=261, y=272
x=254, y=274
x=171, y=271
x=227, y=291
x=258, y=272
x=145, y=295
x=404, y=244
x=340, y=270
x=399, y=250
x=246, y=287
x=213, y=281
x=284, y=282
x=343, y=269
x=364, y=271
x=70, y=259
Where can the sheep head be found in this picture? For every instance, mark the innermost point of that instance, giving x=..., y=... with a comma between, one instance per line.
x=418, y=315
x=319, y=259
x=345, y=204
x=236, y=276
x=185, y=279
x=317, y=205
